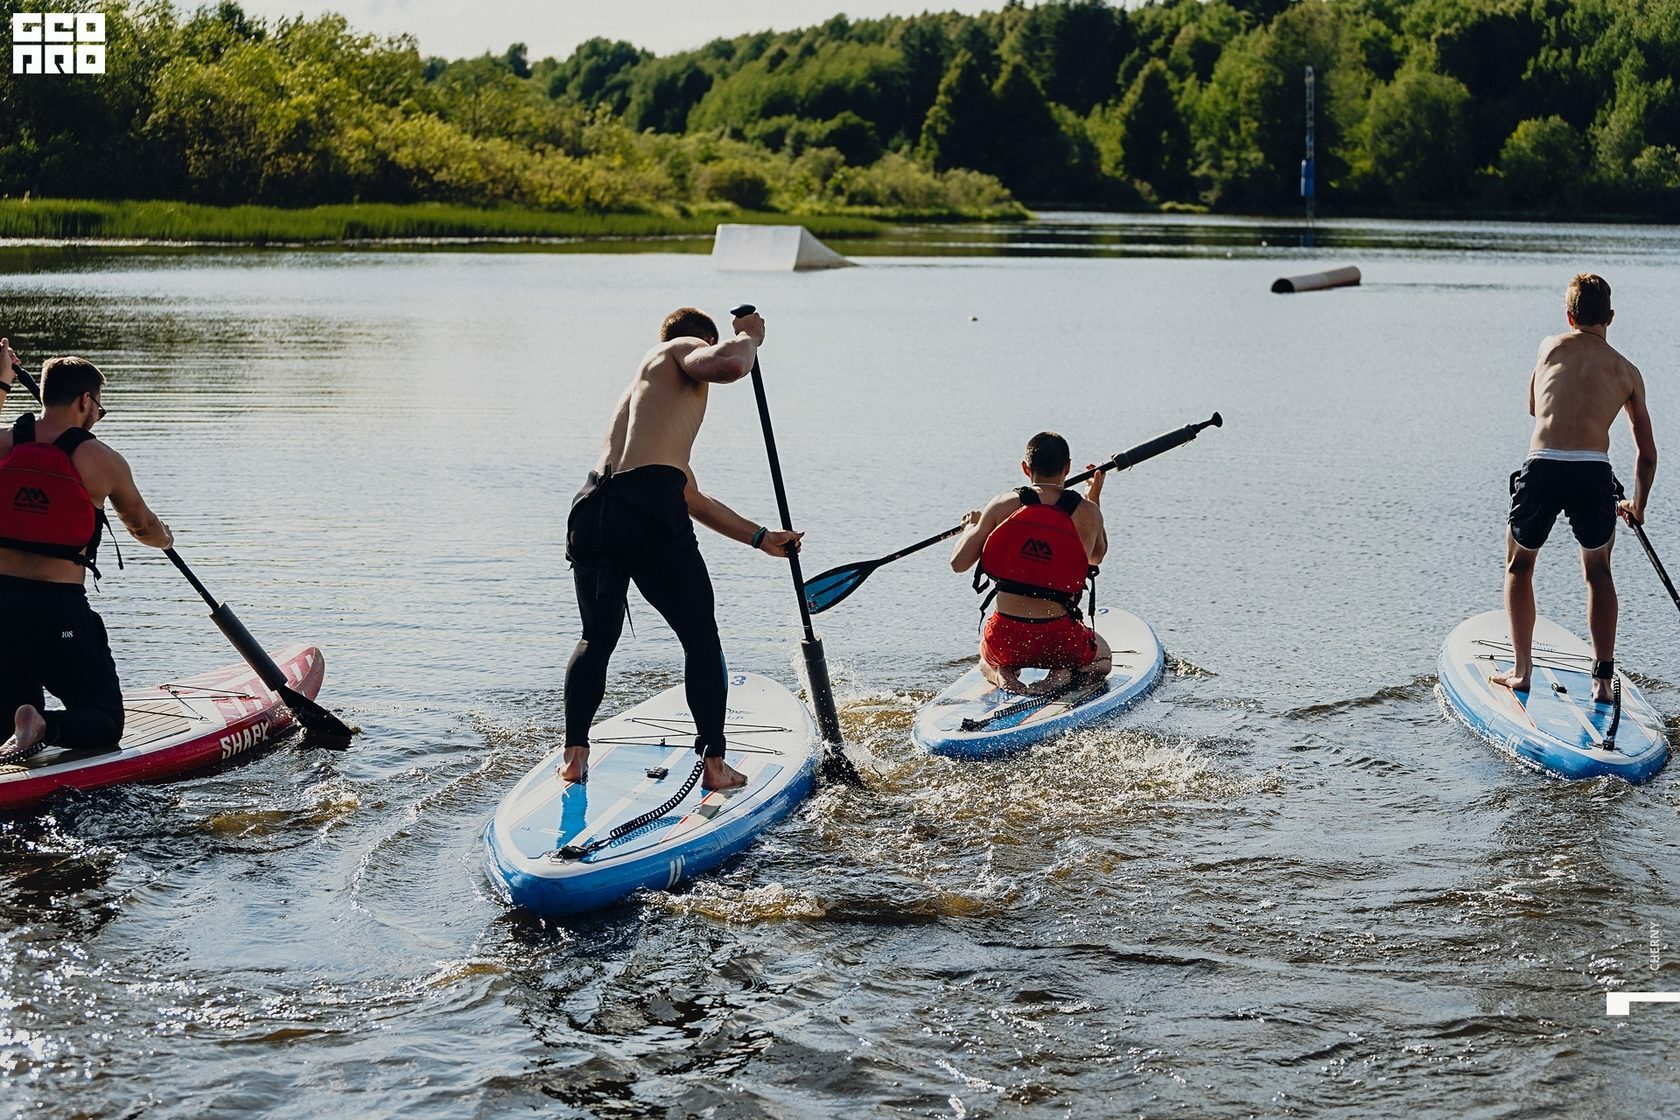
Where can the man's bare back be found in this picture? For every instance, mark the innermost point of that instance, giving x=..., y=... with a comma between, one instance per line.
x=660, y=414
x=1580, y=383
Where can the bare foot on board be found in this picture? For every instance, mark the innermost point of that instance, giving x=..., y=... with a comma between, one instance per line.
x=31, y=728
x=1515, y=681
x=720, y=775
x=575, y=767
x=1053, y=680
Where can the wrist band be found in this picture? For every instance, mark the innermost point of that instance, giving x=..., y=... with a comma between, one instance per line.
x=758, y=537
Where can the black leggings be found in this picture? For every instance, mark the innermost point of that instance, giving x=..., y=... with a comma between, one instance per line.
x=634, y=528
x=54, y=642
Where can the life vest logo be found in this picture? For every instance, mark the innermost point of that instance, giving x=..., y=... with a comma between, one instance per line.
x=31, y=499
x=1037, y=551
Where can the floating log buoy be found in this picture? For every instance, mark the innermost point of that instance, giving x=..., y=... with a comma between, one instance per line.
x=1318, y=281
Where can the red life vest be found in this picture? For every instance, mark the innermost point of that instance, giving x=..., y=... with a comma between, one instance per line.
x=1037, y=551
x=44, y=505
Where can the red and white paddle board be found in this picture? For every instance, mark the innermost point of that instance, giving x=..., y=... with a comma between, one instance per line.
x=174, y=728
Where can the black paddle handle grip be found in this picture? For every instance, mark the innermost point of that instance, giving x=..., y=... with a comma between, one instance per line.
x=28, y=380
x=1151, y=448
x=1159, y=444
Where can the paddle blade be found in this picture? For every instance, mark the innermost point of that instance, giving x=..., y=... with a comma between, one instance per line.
x=316, y=719
x=836, y=767
x=311, y=715
x=824, y=591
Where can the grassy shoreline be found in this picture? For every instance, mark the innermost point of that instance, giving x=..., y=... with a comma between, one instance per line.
x=77, y=219
x=185, y=223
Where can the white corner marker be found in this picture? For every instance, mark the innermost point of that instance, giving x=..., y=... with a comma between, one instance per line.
x=1618, y=1003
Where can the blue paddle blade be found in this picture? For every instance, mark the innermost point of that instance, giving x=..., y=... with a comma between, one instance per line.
x=822, y=592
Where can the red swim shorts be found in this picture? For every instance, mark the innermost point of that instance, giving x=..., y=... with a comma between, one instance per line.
x=1038, y=643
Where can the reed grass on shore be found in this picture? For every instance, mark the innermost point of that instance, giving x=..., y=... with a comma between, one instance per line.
x=72, y=219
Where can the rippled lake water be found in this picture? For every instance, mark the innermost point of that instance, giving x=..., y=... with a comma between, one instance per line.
x=1286, y=885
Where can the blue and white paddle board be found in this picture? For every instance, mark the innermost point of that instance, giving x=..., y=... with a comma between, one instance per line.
x=1555, y=725
x=638, y=760
x=1138, y=662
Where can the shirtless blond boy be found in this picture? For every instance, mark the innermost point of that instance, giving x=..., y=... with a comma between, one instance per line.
x=633, y=523
x=1579, y=385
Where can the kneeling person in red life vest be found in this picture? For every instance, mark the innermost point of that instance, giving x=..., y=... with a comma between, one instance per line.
x=54, y=480
x=1038, y=543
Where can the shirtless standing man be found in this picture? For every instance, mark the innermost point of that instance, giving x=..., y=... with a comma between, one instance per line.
x=1033, y=626
x=633, y=522
x=1578, y=386
x=53, y=639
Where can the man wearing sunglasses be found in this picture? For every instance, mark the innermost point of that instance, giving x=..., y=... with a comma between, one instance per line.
x=55, y=478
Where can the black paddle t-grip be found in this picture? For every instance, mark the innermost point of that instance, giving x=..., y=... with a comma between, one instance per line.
x=744, y=309
x=1159, y=444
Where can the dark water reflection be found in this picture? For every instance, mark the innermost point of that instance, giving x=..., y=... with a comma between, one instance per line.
x=1284, y=886
x=1157, y=235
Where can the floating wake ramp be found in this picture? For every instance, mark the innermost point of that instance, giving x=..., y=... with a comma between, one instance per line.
x=741, y=248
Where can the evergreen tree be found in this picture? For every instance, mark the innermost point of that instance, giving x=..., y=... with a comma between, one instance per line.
x=1027, y=150
x=1156, y=144
x=959, y=130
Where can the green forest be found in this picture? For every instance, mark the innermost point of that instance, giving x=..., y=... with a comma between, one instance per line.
x=1507, y=107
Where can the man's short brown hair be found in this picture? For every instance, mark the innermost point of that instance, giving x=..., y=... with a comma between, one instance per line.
x=1588, y=300
x=65, y=379
x=1047, y=453
x=688, y=322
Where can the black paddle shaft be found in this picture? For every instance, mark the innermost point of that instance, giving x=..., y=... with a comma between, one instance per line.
x=1651, y=554
x=312, y=715
x=833, y=586
x=816, y=665
x=237, y=635
x=1124, y=460
x=776, y=479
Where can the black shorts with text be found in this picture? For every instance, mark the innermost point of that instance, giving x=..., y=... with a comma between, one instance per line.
x=1584, y=492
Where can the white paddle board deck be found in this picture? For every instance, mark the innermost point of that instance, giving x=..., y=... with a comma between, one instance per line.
x=1555, y=725
x=639, y=760
x=1012, y=722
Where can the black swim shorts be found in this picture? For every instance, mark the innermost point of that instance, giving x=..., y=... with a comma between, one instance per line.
x=1586, y=492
